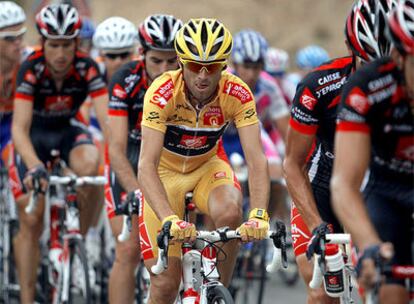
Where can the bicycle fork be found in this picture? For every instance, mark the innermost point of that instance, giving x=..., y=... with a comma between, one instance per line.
x=207, y=270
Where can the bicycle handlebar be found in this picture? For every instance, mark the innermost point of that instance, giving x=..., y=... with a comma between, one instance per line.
x=222, y=235
x=63, y=180
x=332, y=238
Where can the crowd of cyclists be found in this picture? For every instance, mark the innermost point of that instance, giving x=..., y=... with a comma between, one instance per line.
x=158, y=108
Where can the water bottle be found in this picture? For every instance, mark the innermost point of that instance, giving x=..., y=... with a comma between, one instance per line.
x=334, y=278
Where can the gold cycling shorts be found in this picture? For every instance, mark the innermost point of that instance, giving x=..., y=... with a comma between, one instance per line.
x=213, y=173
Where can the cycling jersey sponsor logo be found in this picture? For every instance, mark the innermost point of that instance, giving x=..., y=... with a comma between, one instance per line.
x=358, y=101
x=213, y=116
x=220, y=175
x=307, y=99
x=91, y=74
x=249, y=113
x=119, y=92
x=329, y=78
x=303, y=117
x=193, y=142
x=58, y=103
x=163, y=94
x=380, y=83
x=152, y=116
x=405, y=148
x=238, y=91
x=30, y=77
x=330, y=87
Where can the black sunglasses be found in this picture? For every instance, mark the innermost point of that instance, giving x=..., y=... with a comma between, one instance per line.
x=113, y=56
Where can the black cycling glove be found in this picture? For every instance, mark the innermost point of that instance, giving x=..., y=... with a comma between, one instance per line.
x=317, y=234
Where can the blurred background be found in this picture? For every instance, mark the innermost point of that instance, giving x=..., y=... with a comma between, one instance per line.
x=287, y=24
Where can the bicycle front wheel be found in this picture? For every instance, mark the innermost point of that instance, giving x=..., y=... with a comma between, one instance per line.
x=78, y=285
x=219, y=295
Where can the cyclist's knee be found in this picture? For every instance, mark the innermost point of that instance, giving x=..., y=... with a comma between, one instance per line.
x=164, y=289
x=31, y=223
x=319, y=296
x=231, y=215
x=128, y=253
x=84, y=160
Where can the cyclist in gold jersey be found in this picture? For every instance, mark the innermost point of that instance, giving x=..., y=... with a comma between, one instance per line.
x=185, y=113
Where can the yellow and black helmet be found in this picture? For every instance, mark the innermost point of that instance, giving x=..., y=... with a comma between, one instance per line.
x=203, y=40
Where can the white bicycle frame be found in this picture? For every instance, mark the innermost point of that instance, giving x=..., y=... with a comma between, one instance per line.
x=350, y=281
x=190, y=258
x=72, y=225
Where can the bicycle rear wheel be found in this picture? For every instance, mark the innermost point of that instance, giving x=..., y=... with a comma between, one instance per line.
x=219, y=295
x=79, y=290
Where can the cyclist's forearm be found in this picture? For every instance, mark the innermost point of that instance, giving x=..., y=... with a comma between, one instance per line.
x=300, y=190
x=24, y=146
x=154, y=191
x=259, y=182
x=123, y=169
x=350, y=209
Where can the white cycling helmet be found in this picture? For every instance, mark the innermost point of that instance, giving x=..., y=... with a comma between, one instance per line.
x=115, y=34
x=11, y=14
x=276, y=61
x=249, y=46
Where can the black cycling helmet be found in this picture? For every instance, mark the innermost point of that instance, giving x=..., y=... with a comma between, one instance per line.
x=157, y=32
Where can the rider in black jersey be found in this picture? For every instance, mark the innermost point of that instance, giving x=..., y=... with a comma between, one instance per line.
x=375, y=131
x=127, y=89
x=51, y=86
x=309, y=152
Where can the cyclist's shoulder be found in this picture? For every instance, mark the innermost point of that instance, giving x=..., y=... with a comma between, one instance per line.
x=132, y=71
x=267, y=84
x=83, y=60
x=379, y=82
x=231, y=87
x=332, y=69
x=375, y=75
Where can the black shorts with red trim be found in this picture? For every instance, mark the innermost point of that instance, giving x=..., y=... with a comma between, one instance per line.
x=390, y=207
x=44, y=140
x=114, y=192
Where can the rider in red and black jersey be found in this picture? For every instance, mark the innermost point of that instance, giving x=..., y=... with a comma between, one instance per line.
x=375, y=131
x=51, y=86
x=12, y=30
x=311, y=135
x=127, y=89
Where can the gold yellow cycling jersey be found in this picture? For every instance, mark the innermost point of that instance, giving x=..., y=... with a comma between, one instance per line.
x=192, y=138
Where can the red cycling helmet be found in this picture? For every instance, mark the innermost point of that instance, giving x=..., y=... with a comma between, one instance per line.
x=365, y=28
x=401, y=27
x=58, y=21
